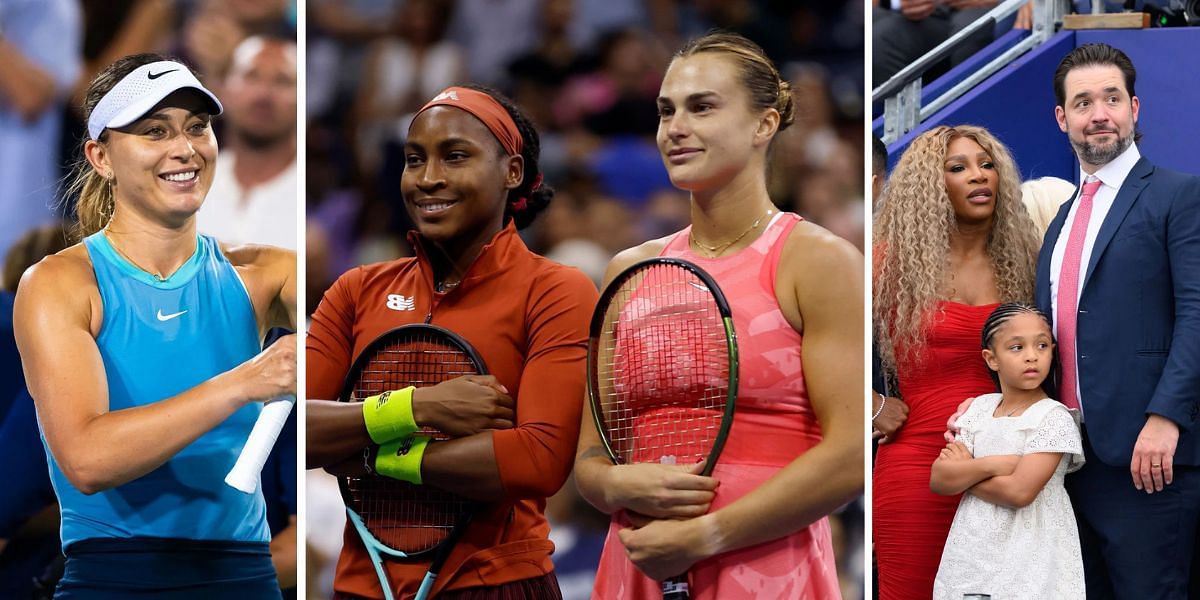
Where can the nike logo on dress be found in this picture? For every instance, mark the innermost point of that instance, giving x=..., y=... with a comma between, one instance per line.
x=157, y=75
x=162, y=317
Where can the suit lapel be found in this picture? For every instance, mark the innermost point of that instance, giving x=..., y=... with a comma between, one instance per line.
x=1053, y=231
x=1126, y=196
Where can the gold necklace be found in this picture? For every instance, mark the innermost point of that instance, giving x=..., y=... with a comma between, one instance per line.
x=713, y=251
x=113, y=243
x=1010, y=413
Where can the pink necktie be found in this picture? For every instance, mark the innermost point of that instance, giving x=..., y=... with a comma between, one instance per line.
x=1068, y=294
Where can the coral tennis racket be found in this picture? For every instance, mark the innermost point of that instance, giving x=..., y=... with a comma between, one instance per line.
x=663, y=370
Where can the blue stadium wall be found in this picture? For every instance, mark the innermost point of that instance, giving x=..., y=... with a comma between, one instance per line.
x=1017, y=103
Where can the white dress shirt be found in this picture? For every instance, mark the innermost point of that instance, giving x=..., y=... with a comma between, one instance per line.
x=1111, y=177
x=263, y=214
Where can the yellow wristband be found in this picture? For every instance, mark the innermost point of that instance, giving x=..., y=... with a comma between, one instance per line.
x=389, y=415
x=401, y=459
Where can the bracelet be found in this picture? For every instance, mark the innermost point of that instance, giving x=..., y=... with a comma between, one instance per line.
x=389, y=416
x=882, y=403
x=401, y=459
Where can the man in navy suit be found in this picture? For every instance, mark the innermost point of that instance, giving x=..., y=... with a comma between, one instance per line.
x=1120, y=273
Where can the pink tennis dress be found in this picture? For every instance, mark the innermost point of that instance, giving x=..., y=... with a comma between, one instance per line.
x=773, y=424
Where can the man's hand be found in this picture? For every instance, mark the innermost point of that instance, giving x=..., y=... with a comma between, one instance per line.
x=890, y=419
x=951, y=427
x=915, y=10
x=965, y=4
x=1024, y=17
x=1152, y=466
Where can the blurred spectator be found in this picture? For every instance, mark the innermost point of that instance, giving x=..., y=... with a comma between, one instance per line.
x=116, y=28
x=1042, y=197
x=338, y=32
x=904, y=33
x=577, y=531
x=215, y=30
x=254, y=192
x=494, y=33
x=555, y=58
x=278, y=485
x=879, y=158
x=618, y=97
x=39, y=63
x=401, y=73
x=24, y=518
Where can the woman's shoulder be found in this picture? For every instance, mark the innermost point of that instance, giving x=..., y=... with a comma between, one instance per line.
x=62, y=283
x=630, y=256
x=271, y=263
x=813, y=249
x=259, y=255
x=68, y=268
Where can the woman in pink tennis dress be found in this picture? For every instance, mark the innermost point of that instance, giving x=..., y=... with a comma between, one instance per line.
x=758, y=527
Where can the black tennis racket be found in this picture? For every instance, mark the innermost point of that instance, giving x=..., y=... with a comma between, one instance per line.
x=396, y=518
x=663, y=370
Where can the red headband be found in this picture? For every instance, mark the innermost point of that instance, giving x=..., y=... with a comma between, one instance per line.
x=485, y=108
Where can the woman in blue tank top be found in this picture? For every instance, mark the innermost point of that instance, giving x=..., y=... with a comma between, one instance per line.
x=141, y=348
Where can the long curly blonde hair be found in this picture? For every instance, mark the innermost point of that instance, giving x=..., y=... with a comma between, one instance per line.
x=912, y=240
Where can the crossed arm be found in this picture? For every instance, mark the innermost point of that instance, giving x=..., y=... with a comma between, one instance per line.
x=1006, y=479
x=503, y=449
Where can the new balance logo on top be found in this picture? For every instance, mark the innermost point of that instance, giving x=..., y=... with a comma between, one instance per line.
x=450, y=95
x=398, y=302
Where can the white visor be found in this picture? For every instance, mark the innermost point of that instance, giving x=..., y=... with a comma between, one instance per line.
x=140, y=91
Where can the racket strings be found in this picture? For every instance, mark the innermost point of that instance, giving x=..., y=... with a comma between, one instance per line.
x=664, y=374
x=406, y=517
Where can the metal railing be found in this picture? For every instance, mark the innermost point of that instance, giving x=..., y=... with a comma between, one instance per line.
x=901, y=94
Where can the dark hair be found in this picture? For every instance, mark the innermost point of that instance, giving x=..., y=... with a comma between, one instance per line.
x=537, y=195
x=95, y=205
x=1001, y=315
x=878, y=156
x=759, y=75
x=1089, y=55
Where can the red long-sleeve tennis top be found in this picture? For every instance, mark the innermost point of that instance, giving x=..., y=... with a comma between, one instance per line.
x=528, y=317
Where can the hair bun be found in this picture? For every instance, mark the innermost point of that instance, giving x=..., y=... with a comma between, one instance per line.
x=786, y=105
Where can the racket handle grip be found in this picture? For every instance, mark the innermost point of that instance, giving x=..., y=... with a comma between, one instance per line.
x=245, y=472
x=426, y=586
x=676, y=588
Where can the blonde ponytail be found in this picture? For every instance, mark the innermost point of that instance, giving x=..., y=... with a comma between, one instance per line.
x=95, y=205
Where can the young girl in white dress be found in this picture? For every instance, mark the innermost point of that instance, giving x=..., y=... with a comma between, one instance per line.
x=1014, y=534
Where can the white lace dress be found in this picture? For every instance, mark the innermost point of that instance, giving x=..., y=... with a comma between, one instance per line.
x=1016, y=554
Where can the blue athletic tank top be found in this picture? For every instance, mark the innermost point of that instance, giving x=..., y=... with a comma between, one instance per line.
x=160, y=338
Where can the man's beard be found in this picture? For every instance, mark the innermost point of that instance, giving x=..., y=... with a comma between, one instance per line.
x=1100, y=155
x=265, y=140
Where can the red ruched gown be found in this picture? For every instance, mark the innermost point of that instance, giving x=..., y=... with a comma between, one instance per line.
x=910, y=522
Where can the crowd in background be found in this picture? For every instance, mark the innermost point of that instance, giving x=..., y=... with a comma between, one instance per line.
x=588, y=73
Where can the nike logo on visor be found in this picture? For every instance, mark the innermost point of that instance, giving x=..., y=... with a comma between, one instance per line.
x=162, y=317
x=157, y=75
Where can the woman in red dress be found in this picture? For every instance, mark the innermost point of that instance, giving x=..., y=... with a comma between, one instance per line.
x=951, y=241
